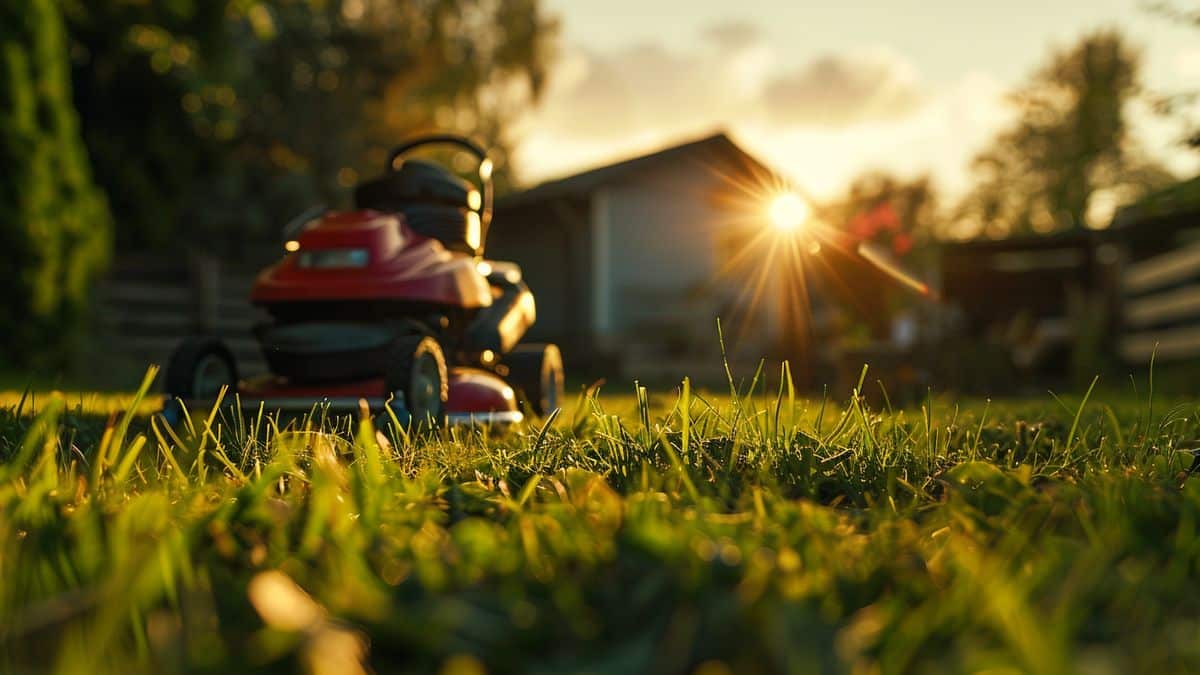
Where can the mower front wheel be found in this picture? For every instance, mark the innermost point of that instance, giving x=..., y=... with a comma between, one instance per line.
x=536, y=371
x=418, y=379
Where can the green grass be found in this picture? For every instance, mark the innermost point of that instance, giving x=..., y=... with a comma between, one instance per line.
x=673, y=532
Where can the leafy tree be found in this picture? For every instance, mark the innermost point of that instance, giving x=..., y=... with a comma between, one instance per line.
x=914, y=202
x=225, y=118
x=54, y=222
x=136, y=67
x=1181, y=104
x=1069, y=159
x=895, y=213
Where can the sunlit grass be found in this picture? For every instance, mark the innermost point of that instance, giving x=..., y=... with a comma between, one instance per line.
x=95, y=403
x=752, y=530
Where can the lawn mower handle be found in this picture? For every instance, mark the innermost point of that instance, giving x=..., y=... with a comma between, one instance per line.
x=484, y=174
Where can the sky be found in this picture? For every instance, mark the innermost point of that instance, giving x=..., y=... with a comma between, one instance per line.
x=823, y=91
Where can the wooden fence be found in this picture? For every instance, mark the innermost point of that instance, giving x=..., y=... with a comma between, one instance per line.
x=1161, y=307
x=146, y=307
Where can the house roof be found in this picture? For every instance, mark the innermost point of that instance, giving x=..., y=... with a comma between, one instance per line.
x=715, y=148
x=1024, y=242
x=1177, y=200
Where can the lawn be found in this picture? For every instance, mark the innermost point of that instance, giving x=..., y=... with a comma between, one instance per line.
x=678, y=532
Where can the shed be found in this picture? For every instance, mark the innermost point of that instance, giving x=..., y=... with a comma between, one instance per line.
x=626, y=260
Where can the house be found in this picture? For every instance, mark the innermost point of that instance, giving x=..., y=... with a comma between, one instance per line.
x=628, y=261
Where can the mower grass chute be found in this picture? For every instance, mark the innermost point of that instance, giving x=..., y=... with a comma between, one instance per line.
x=391, y=302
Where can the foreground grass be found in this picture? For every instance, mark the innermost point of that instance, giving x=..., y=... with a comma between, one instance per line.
x=673, y=534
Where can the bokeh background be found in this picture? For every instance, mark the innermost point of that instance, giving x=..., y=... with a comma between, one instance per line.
x=138, y=138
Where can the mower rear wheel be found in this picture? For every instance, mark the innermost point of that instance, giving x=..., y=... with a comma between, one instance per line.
x=418, y=379
x=199, y=368
x=536, y=371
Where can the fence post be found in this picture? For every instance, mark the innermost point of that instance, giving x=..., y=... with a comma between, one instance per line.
x=1112, y=260
x=206, y=288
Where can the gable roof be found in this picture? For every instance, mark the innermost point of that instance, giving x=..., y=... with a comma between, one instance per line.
x=715, y=148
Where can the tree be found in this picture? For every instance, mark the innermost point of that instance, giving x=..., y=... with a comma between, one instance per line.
x=54, y=222
x=224, y=118
x=895, y=213
x=1069, y=160
x=914, y=202
x=134, y=68
x=1181, y=105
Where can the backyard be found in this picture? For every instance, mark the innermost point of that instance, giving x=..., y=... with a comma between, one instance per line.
x=675, y=531
x=678, y=337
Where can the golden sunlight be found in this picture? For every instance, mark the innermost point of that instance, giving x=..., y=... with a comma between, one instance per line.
x=789, y=212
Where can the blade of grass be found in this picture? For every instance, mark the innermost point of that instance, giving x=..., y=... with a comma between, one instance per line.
x=1079, y=413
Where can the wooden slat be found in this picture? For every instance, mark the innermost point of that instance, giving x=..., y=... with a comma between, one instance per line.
x=177, y=325
x=240, y=284
x=126, y=320
x=1179, y=304
x=145, y=311
x=166, y=345
x=1174, y=344
x=1023, y=262
x=138, y=293
x=1179, y=265
x=157, y=349
x=239, y=307
x=164, y=294
x=236, y=324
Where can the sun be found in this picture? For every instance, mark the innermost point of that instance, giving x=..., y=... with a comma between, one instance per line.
x=788, y=212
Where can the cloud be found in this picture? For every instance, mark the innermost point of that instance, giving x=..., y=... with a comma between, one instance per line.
x=730, y=75
x=838, y=90
x=604, y=105
x=1187, y=62
x=821, y=122
x=939, y=138
x=607, y=95
x=733, y=34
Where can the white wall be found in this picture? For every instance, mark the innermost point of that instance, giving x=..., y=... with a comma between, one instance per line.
x=664, y=231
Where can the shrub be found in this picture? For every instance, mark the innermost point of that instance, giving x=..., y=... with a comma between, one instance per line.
x=55, y=228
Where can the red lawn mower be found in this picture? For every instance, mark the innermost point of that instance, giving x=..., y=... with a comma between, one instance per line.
x=393, y=303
